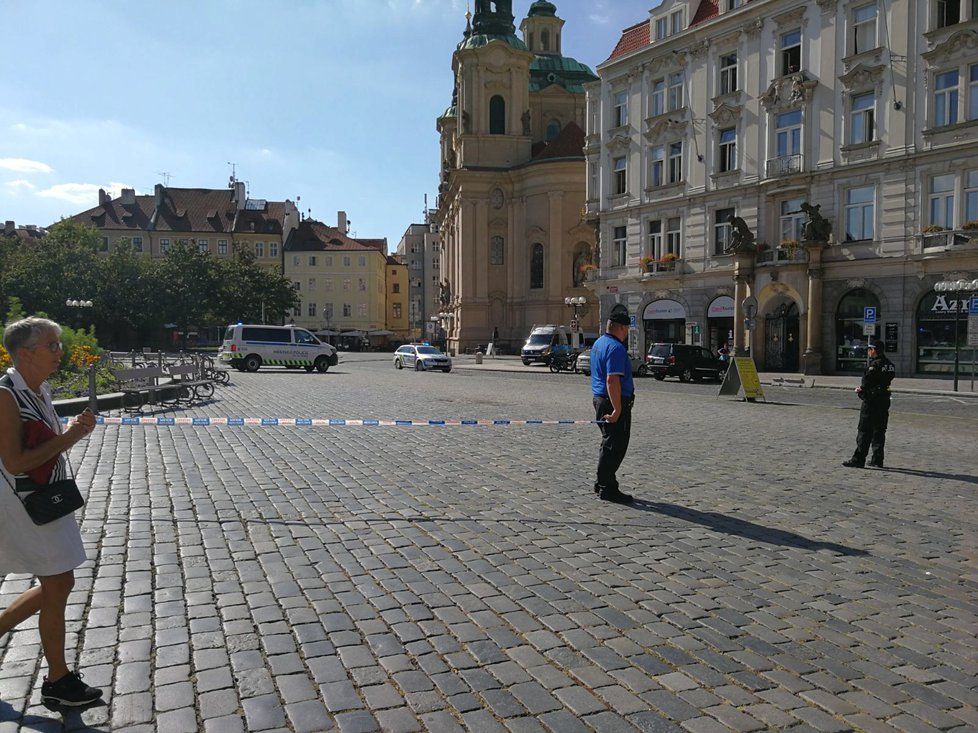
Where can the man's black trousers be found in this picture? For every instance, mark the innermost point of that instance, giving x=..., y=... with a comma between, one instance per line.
x=873, y=417
x=614, y=441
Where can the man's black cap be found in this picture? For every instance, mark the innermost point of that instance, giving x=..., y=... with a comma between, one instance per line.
x=619, y=315
x=878, y=345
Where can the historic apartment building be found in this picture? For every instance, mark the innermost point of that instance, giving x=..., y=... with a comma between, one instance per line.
x=420, y=249
x=709, y=110
x=341, y=280
x=213, y=220
x=512, y=187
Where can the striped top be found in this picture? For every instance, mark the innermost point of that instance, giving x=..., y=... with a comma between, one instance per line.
x=33, y=407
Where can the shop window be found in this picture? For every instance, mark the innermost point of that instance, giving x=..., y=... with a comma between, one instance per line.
x=850, y=343
x=942, y=318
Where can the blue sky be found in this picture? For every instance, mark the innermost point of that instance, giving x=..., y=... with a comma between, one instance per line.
x=334, y=101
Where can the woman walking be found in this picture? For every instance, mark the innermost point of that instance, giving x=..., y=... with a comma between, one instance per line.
x=32, y=452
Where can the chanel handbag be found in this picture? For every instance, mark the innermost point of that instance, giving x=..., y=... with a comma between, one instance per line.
x=48, y=502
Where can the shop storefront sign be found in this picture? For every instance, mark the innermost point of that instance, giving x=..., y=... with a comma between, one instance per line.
x=664, y=310
x=742, y=377
x=722, y=307
x=891, y=338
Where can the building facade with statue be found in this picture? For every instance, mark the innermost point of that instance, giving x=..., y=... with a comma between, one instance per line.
x=511, y=195
x=817, y=155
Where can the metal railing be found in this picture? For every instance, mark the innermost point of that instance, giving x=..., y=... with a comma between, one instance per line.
x=774, y=256
x=948, y=238
x=786, y=165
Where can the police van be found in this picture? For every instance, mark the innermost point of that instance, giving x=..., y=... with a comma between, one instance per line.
x=249, y=347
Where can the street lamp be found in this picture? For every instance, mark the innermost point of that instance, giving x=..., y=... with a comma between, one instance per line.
x=72, y=303
x=577, y=303
x=957, y=286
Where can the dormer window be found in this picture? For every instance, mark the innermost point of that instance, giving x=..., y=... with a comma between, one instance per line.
x=661, y=28
x=676, y=22
x=790, y=52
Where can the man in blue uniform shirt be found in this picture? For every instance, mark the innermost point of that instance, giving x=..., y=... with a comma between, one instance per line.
x=614, y=394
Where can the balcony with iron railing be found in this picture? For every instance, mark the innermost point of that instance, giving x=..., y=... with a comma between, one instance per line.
x=664, y=266
x=782, y=255
x=785, y=165
x=946, y=239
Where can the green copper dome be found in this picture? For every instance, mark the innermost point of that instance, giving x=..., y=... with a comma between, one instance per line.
x=542, y=8
x=478, y=40
x=564, y=71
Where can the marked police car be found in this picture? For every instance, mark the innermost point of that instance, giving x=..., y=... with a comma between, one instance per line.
x=421, y=357
x=248, y=347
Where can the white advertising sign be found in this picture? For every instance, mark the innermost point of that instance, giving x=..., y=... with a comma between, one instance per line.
x=663, y=310
x=722, y=307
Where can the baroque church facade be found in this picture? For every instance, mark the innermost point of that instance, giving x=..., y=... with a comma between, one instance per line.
x=512, y=189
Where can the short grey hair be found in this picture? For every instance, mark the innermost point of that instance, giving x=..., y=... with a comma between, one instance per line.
x=25, y=333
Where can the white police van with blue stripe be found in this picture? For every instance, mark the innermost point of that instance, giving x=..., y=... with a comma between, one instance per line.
x=249, y=347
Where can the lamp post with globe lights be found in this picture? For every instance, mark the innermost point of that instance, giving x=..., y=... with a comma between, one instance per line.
x=72, y=303
x=579, y=304
x=958, y=288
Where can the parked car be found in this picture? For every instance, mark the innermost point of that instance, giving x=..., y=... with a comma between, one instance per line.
x=688, y=362
x=248, y=347
x=583, y=364
x=421, y=357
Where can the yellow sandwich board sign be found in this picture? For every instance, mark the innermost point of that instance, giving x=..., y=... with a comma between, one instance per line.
x=742, y=376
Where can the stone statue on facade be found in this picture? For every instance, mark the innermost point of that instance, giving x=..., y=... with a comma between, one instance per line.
x=741, y=237
x=581, y=262
x=817, y=228
x=445, y=293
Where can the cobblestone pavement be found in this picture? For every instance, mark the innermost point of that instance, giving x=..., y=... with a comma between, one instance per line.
x=462, y=578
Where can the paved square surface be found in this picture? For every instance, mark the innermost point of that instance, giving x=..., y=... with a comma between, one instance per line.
x=464, y=578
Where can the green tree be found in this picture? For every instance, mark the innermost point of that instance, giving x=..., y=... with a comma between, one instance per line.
x=127, y=304
x=245, y=288
x=188, y=282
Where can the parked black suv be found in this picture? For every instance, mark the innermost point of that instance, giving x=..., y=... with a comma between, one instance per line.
x=687, y=362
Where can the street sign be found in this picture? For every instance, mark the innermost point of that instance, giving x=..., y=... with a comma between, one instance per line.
x=869, y=314
x=633, y=321
x=869, y=329
x=750, y=306
x=748, y=324
x=574, y=325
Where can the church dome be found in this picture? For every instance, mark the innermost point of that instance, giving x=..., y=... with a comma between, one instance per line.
x=542, y=8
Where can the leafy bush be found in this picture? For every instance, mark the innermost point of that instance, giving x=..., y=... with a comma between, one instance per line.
x=81, y=348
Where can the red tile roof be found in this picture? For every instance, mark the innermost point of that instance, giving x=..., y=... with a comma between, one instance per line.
x=706, y=10
x=568, y=144
x=314, y=236
x=633, y=38
x=184, y=210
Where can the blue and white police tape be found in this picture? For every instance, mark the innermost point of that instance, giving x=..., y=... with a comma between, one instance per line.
x=309, y=422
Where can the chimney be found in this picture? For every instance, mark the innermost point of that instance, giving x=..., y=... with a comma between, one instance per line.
x=158, y=196
x=128, y=196
x=341, y=221
x=240, y=196
x=103, y=197
x=9, y=228
x=291, y=219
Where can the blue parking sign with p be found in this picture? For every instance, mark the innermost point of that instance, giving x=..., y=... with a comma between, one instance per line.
x=634, y=321
x=869, y=314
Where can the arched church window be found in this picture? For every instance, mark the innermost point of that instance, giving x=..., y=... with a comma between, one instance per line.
x=553, y=129
x=496, y=248
x=497, y=116
x=545, y=40
x=536, y=267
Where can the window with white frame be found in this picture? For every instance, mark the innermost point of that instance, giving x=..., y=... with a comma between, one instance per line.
x=941, y=201
x=728, y=150
x=661, y=28
x=973, y=91
x=593, y=175
x=675, y=162
x=674, y=237
x=347, y=284
x=362, y=261
x=298, y=286
x=347, y=310
x=864, y=28
x=948, y=12
x=203, y=246
x=721, y=230
x=676, y=91
x=658, y=97
x=620, y=176
x=619, y=244
x=329, y=260
x=654, y=241
x=787, y=133
x=259, y=249
x=619, y=113
x=946, y=98
x=273, y=249
x=790, y=52
x=164, y=246
x=311, y=312
x=971, y=196
x=295, y=260
x=728, y=73
x=362, y=309
x=657, y=159
x=860, y=213
x=222, y=246
x=676, y=22
x=312, y=283
x=862, y=120
x=346, y=260
x=792, y=220
x=328, y=283
x=362, y=284
x=137, y=244
x=312, y=260
x=297, y=311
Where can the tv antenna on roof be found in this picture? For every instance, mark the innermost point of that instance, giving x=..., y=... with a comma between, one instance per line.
x=234, y=175
x=165, y=176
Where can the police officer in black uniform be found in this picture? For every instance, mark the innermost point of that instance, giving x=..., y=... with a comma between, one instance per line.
x=875, y=411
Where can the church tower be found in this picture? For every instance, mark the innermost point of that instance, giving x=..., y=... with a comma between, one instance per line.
x=541, y=29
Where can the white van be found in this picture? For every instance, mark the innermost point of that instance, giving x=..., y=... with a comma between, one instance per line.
x=247, y=347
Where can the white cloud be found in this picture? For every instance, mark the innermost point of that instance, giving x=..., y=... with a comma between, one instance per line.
x=81, y=194
x=19, y=185
x=24, y=165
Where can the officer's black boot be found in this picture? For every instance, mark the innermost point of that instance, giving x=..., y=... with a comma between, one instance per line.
x=877, y=460
x=854, y=463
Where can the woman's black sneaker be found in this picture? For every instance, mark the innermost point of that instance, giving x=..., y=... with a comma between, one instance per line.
x=69, y=690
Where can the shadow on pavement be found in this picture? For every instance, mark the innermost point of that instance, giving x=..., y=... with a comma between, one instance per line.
x=742, y=528
x=933, y=474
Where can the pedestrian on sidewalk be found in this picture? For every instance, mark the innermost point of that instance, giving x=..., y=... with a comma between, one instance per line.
x=614, y=395
x=32, y=452
x=874, y=414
